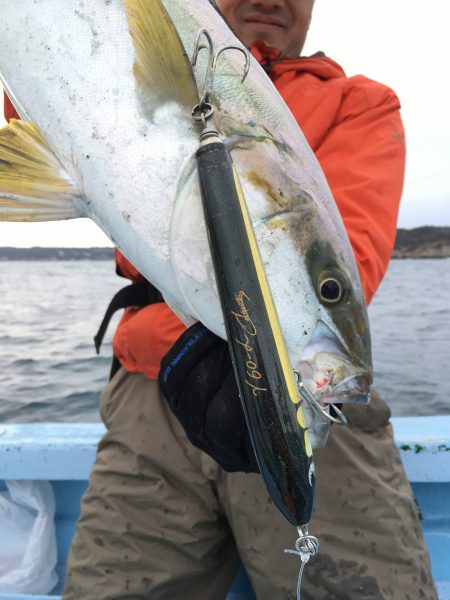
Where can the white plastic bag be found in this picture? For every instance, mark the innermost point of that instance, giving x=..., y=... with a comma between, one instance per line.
x=27, y=538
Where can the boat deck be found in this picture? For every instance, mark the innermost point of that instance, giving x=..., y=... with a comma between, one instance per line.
x=63, y=454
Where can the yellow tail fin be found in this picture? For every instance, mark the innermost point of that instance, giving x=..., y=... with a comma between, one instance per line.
x=33, y=184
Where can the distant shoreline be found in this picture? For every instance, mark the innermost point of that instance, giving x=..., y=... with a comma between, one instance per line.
x=421, y=242
x=56, y=254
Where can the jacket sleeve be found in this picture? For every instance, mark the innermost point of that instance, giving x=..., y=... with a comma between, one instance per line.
x=363, y=158
x=143, y=336
x=125, y=269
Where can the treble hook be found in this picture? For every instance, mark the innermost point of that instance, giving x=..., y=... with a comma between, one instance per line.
x=340, y=418
x=305, y=547
x=213, y=56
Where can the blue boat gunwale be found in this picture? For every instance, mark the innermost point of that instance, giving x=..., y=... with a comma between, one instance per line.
x=40, y=448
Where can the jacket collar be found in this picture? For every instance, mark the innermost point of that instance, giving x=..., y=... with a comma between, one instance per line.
x=275, y=65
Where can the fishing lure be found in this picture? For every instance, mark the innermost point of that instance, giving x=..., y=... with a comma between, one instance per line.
x=266, y=381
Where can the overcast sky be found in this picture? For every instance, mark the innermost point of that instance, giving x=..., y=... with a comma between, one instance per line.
x=402, y=43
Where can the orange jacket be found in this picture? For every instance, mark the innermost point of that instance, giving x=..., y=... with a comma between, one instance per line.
x=9, y=110
x=354, y=127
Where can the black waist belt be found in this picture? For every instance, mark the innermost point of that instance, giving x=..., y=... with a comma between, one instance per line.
x=136, y=294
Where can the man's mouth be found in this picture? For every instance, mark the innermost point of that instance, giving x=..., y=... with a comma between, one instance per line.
x=264, y=21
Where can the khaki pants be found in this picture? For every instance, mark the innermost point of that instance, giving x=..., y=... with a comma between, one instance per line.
x=161, y=520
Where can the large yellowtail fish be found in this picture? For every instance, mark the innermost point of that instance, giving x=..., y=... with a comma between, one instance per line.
x=105, y=90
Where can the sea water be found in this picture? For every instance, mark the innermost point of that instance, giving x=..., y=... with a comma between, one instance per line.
x=50, y=312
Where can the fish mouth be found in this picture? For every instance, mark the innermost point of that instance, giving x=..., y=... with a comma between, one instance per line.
x=330, y=374
x=355, y=389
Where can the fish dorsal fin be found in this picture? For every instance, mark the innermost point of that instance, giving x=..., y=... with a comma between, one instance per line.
x=34, y=186
x=162, y=67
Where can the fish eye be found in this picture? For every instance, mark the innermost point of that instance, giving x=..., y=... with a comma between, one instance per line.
x=330, y=289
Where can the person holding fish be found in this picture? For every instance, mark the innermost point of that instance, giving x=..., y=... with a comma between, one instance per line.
x=176, y=500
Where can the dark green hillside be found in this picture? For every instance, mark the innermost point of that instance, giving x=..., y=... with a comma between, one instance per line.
x=422, y=242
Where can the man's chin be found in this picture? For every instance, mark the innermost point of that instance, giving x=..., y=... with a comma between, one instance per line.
x=269, y=39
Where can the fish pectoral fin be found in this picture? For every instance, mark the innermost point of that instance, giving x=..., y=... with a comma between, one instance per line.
x=162, y=67
x=34, y=186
